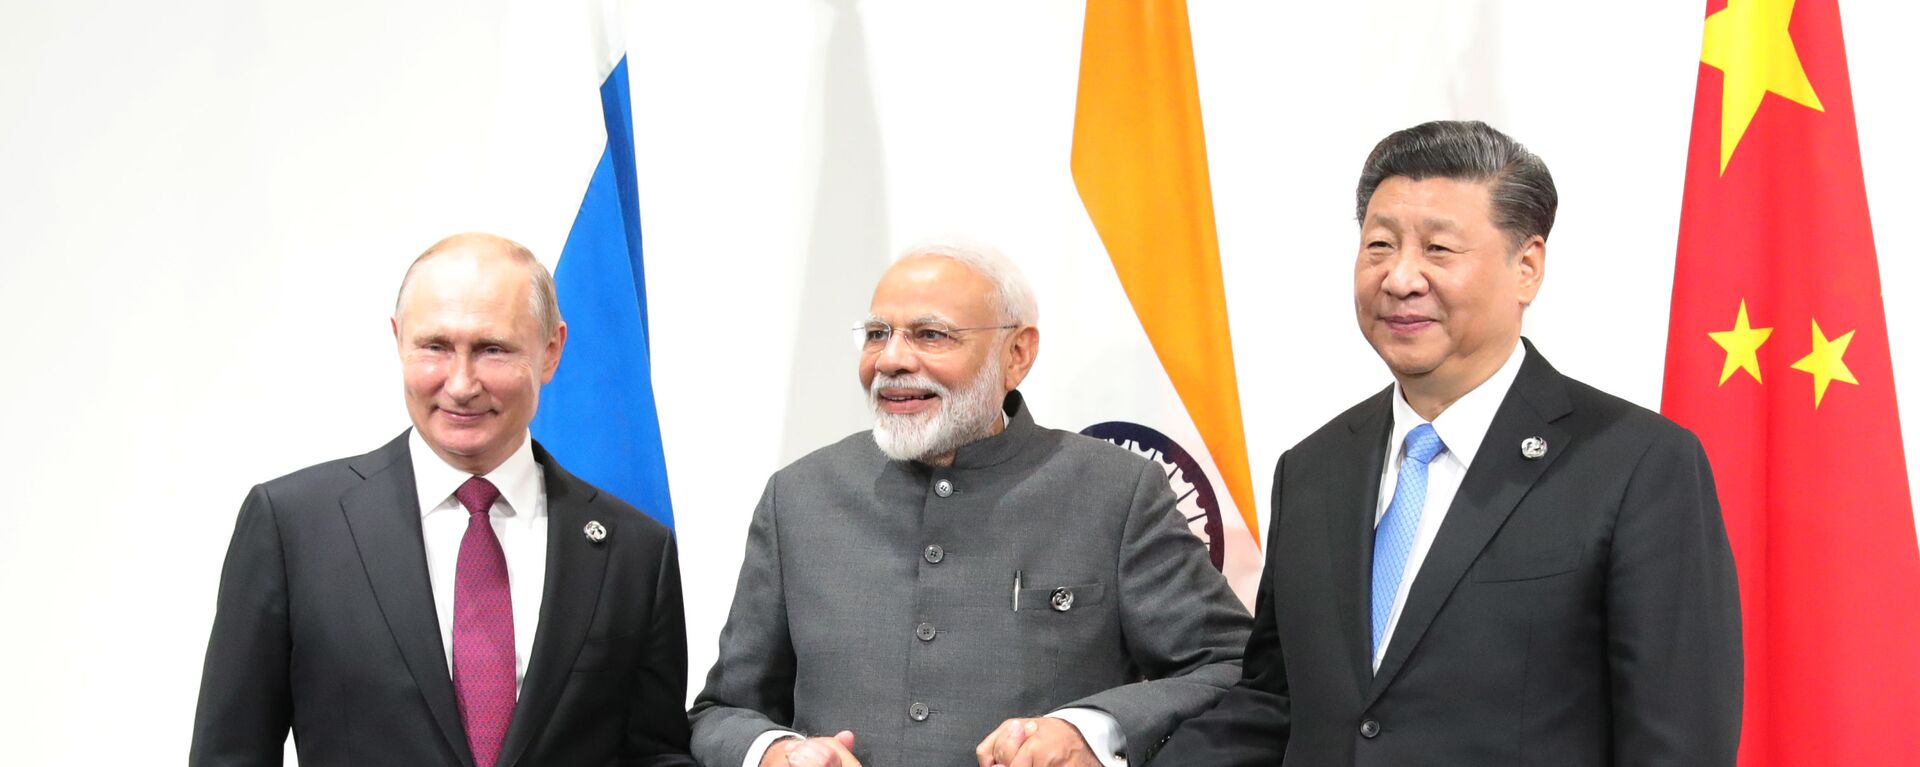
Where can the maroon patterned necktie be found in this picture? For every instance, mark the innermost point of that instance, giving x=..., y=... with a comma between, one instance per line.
x=483, y=660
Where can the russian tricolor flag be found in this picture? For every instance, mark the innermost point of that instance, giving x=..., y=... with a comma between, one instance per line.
x=597, y=415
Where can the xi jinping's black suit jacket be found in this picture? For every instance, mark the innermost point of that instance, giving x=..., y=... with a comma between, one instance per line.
x=1580, y=608
x=326, y=625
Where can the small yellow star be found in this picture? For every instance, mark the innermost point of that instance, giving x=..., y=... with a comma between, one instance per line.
x=1825, y=363
x=1743, y=346
x=1748, y=41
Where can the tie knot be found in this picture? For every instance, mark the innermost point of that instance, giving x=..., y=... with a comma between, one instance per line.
x=477, y=494
x=1423, y=443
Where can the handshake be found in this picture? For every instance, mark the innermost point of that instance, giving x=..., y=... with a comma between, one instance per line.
x=1034, y=742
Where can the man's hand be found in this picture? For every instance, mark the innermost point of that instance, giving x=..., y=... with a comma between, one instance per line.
x=1039, y=742
x=812, y=752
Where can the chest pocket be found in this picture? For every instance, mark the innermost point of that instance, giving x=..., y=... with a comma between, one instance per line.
x=1064, y=599
x=1074, y=631
x=1527, y=566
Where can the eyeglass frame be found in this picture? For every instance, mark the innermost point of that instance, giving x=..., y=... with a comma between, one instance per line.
x=870, y=346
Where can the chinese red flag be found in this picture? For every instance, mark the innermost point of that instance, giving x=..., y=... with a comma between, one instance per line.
x=1777, y=358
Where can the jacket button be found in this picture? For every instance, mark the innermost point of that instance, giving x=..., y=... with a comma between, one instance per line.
x=935, y=554
x=943, y=488
x=925, y=632
x=1369, y=729
x=918, y=712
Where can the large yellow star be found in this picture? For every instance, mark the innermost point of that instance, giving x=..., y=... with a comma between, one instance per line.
x=1748, y=41
x=1826, y=362
x=1743, y=346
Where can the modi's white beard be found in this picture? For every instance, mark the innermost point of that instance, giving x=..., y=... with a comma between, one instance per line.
x=963, y=416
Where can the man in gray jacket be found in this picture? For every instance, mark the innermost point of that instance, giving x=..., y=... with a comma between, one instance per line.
x=960, y=586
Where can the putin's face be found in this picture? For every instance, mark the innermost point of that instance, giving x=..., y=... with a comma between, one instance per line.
x=1438, y=288
x=472, y=355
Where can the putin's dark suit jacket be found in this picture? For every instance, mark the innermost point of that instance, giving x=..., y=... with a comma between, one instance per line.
x=326, y=624
x=1579, y=608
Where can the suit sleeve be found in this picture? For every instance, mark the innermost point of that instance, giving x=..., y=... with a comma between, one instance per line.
x=1673, y=615
x=1250, y=725
x=1183, y=626
x=246, y=702
x=657, y=725
x=750, y=689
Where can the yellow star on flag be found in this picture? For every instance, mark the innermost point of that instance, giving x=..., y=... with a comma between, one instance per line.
x=1748, y=41
x=1743, y=346
x=1825, y=363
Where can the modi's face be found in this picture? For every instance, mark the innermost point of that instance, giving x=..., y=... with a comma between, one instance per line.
x=472, y=357
x=931, y=363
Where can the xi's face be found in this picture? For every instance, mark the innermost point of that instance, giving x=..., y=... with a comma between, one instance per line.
x=472, y=358
x=1438, y=289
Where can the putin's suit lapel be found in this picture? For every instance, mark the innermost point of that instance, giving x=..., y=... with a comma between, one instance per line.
x=1355, y=494
x=576, y=569
x=1494, y=485
x=383, y=516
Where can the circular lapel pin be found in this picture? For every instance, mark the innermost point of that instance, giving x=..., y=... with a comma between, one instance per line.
x=1062, y=599
x=1533, y=448
x=595, y=531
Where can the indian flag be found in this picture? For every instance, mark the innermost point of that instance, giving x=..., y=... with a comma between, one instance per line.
x=1162, y=381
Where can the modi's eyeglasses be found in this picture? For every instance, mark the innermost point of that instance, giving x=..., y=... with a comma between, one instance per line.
x=924, y=337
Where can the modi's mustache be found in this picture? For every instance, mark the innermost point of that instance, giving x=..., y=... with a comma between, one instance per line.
x=883, y=381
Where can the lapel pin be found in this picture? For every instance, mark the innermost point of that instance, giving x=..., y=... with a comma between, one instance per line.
x=1533, y=448
x=595, y=531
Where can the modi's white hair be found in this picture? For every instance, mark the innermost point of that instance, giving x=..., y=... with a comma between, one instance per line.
x=1012, y=295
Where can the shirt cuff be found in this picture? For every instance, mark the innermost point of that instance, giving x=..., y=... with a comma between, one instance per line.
x=758, y=750
x=1100, y=730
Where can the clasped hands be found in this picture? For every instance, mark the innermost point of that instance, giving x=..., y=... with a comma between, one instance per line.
x=836, y=751
x=1035, y=742
x=1025, y=742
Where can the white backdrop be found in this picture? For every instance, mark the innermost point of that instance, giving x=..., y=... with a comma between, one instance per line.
x=206, y=207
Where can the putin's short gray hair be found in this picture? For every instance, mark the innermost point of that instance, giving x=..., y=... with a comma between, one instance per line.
x=542, y=298
x=1012, y=296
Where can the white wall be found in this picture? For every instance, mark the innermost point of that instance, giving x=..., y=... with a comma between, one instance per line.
x=206, y=208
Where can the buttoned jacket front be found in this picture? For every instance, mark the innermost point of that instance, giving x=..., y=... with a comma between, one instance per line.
x=326, y=627
x=880, y=596
x=1579, y=607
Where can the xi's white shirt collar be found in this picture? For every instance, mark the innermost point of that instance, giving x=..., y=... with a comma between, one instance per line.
x=1463, y=424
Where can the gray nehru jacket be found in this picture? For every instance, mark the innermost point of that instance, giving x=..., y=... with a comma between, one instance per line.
x=878, y=596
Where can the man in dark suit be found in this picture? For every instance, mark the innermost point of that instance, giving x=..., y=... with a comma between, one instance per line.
x=453, y=597
x=1487, y=562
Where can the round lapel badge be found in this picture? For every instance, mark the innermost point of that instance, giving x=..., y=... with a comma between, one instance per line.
x=1533, y=448
x=595, y=531
x=1062, y=599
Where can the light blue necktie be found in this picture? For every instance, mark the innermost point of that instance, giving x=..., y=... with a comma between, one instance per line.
x=1393, y=537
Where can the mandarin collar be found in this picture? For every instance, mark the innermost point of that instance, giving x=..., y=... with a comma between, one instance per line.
x=996, y=449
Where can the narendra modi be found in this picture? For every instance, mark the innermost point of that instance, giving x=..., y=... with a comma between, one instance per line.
x=960, y=586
